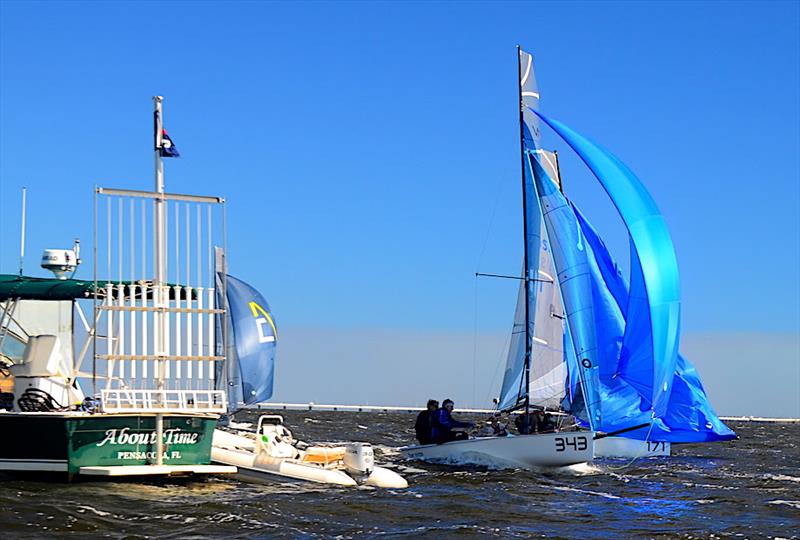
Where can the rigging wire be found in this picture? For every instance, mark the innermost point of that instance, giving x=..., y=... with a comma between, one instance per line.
x=475, y=342
x=497, y=364
x=489, y=226
x=635, y=458
x=478, y=264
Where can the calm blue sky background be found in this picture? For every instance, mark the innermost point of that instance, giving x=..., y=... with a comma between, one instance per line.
x=369, y=155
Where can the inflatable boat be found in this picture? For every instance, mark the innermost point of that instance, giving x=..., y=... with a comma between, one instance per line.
x=271, y=454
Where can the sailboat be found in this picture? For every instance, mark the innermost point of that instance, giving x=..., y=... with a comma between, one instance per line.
x=114, y=376
x=270, y=452
x=646, y=393
x=599, y=347
x=541, y=362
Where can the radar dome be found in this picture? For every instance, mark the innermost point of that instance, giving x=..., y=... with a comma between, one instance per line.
x=61, y=262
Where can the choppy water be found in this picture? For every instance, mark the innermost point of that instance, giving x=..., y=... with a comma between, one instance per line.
x=748, y=488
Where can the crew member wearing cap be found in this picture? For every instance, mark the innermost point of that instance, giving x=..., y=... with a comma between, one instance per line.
x=444, y=424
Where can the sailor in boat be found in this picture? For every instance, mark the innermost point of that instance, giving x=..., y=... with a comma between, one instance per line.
x=536, y=421
x=524, y=423
x=494, y=428
x=424, y=424
x=444, y=425
x=545, y=422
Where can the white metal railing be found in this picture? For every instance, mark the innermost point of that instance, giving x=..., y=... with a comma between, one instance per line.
x=160, y=401
x=159, y=299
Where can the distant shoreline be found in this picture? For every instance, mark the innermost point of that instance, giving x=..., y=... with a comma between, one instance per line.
x=414, y=409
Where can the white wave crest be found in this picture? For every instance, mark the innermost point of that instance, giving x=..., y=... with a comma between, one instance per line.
x=782, y=477
x=793, y=504
x=586, y=491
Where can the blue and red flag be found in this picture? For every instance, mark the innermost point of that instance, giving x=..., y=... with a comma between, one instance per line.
x=168, y=149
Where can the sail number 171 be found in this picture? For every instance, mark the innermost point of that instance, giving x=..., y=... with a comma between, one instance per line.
x=577, y=443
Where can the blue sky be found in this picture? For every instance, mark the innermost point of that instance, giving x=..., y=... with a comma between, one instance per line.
x=369, y=153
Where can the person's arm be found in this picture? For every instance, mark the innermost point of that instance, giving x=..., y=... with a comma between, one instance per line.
x=444, y=420
x=457, y=424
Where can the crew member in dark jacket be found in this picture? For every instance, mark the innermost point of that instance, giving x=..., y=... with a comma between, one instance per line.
x=526, y=423
x=424, y=424
x=537, y=421
x=443, y=424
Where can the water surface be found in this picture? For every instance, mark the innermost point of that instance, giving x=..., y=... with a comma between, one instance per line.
x=749, y=488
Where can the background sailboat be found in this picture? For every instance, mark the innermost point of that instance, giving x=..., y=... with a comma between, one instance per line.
x=252, y=343
x=270, y=452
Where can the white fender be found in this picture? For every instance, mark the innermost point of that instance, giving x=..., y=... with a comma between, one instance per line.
x=386, y=478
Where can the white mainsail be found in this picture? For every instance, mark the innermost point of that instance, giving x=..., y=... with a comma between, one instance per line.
x=548, y=368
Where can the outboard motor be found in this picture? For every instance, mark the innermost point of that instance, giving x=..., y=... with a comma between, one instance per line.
x=359, y=461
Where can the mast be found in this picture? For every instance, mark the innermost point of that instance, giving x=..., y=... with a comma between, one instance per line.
x=558, y=172
x=527, y=378
x=160, y=270
x=231, y=376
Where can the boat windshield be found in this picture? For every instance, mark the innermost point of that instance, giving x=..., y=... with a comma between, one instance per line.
x=12, y=348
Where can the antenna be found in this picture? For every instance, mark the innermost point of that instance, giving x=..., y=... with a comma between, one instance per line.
x=22, y=231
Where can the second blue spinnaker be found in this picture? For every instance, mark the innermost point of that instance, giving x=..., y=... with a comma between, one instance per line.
x=251, y=359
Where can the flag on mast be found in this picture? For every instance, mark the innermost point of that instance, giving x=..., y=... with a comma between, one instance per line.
x=168, y=149
x=163, y=142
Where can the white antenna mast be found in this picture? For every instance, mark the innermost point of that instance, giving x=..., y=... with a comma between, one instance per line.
x=22, y=232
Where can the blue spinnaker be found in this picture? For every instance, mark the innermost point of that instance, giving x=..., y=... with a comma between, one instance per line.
x=629, y=328
x=689, y=416
x=254, y=337
x=654, y=288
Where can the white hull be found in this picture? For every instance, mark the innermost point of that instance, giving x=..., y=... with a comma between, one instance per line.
x=620, y=447
x=254, y=465
x=521, y=451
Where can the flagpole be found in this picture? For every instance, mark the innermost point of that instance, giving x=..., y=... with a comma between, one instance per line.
x=159, y=278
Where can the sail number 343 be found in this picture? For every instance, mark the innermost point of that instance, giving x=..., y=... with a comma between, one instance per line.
x=577, y=443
